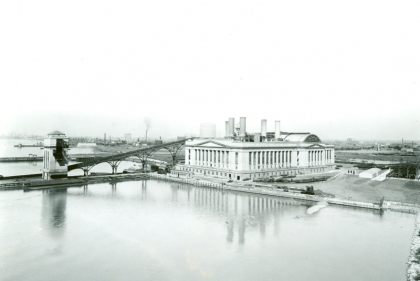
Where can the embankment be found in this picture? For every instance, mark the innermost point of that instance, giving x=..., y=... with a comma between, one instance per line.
x=413, y=264
x=271, y=192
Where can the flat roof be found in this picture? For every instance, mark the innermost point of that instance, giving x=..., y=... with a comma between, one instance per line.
x=229, y=143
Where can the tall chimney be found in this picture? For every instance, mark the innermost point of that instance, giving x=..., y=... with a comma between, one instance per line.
x=264, y=127
x=242, y=127
x=257, y=137
x=231, y=127
x=277, y=129
x=226, y=129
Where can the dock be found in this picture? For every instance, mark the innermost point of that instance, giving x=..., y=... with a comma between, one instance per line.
x=29, y=145
x=31, y=183
x=21, y=159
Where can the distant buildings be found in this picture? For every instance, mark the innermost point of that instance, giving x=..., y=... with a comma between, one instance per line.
x=127, y=138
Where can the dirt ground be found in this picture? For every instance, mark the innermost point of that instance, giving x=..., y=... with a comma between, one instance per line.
x=353, y=188
x=360, y=189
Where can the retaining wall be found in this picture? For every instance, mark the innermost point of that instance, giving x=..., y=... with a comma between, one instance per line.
x=272, y=192
x=413, y=264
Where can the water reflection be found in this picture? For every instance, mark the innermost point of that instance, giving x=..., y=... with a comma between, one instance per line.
x=240, y=213
x=54, y=210
x=54, y=205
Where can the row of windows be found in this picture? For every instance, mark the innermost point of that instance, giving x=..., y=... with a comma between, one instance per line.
x=256, y=175
x=269, y=157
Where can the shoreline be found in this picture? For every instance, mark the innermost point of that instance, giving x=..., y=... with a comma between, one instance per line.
x=272, y=192
x=413, y=263
x=254, y=188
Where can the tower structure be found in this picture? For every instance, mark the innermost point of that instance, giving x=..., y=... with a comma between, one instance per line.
x=55, y=156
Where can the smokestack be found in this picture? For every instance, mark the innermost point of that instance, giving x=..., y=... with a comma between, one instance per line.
x=242, y=127
x=257, y=137
x=226, y=129
x=264, y=127
x=277, y=129
x=231, y=127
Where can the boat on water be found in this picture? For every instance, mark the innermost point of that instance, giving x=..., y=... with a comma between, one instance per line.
x=38, y=144
x=133, y=170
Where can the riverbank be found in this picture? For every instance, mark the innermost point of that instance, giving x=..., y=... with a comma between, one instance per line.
x=269, y=192
x=413, y=264
x=363, y=193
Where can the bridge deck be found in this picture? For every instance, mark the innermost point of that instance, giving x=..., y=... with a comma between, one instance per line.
x=122, y=156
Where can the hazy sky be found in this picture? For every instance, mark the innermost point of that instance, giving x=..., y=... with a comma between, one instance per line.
x=338, y=69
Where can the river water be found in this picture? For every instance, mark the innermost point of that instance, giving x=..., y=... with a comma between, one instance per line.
x=155, y=230
x=7, y=149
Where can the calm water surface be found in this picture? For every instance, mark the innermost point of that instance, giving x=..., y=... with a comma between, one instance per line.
x=7, y=149
x=151, y=230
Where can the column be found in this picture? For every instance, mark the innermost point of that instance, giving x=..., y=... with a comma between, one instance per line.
x=309, y=158
x=275, y=159
x=312, y=158
x=286, y=159
x=222, y=158
x=281, y=159
x=317, y=158
x=290, y=159
x=214, y=158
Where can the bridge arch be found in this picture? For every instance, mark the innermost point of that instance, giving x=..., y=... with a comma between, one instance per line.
x=143, y=153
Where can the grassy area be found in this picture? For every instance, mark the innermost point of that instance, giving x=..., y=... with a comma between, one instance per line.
x=373, y=155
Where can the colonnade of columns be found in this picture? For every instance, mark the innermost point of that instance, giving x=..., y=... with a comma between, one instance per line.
x=270, y=159
x=211, y=158
x=256, y=160
x=319, y=157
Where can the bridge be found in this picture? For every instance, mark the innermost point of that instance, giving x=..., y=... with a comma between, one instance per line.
x=143, y=154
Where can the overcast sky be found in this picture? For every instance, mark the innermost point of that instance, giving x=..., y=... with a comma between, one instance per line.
x=339, y=69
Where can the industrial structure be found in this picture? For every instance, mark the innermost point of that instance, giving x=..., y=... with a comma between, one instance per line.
x=242, y=155
x=55, y=156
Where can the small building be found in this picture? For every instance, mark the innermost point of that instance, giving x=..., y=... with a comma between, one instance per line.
x=55, y=156
x=127, y=138
x=370, y=174
x=352, y=171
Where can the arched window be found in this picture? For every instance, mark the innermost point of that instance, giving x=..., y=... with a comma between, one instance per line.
x=312, y=138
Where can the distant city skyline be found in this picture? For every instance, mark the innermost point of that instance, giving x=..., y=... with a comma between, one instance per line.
x=336, y=69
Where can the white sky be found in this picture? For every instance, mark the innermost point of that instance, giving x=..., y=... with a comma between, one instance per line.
x=338, y=69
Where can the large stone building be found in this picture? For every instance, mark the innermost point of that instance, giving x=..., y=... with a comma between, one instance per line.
x=242, y=156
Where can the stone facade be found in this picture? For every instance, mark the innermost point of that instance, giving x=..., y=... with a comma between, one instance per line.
x=241, y=160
